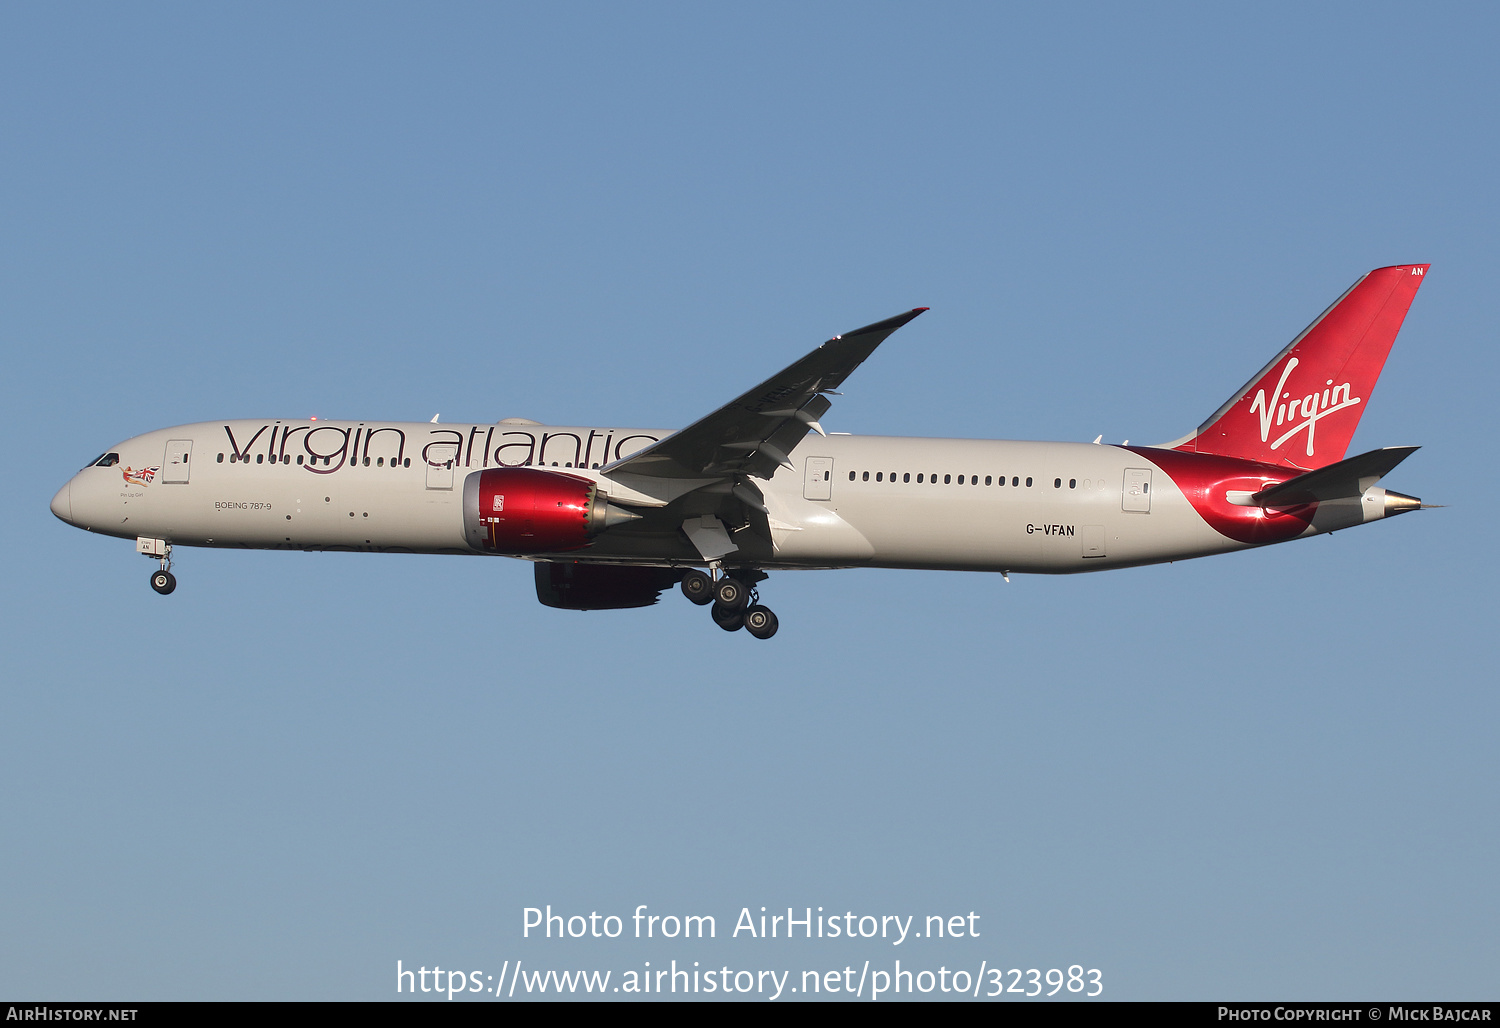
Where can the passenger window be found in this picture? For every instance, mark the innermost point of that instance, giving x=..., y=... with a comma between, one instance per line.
x=851, y=476
x=221, y=458
x=1028, y=483
x=1072, y=483
x=1057, y=483
x=906, y=477
x=865, y=477
x=380, y=462
x=947, y=479
x=259, y=458
x=919, y=478
x=987, y=480
x=299, y=459
x=406, y=463
x=878, y=477
x=1014, y=480
x=367, y=462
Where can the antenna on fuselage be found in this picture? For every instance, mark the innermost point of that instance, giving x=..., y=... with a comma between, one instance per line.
x=434, y=420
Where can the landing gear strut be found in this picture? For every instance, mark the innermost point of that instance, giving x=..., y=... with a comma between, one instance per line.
x=736, y=601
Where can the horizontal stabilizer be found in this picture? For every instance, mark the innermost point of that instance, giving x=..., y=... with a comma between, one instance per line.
x=1346, y=478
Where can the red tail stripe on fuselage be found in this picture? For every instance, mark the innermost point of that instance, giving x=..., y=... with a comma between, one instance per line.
x=1207, y=479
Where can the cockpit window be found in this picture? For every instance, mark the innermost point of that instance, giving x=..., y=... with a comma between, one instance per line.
x=107, y=460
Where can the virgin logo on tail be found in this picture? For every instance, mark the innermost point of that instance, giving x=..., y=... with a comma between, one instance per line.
x=1311, y=408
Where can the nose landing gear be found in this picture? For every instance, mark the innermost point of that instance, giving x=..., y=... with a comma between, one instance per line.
x=736, y=601
x=162, y=581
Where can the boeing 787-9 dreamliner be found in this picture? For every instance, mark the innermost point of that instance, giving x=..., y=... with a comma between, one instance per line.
x=612, y=516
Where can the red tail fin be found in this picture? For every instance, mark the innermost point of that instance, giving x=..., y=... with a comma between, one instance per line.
x=1302, y=408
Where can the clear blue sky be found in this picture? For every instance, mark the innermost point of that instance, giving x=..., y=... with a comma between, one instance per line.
x=1266, y=775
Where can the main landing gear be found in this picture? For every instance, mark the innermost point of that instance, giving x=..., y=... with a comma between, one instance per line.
x=735, y=601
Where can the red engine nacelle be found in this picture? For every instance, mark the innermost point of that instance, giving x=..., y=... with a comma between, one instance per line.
x=526, y=510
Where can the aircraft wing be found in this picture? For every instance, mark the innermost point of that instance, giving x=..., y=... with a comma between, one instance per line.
x=752, y=434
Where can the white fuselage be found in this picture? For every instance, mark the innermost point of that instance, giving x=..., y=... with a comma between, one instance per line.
x=846, y=500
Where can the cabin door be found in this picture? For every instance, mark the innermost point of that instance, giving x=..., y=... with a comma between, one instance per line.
x=440, y=460
x=174, y=464
x=817, y=479
x=1137, y=490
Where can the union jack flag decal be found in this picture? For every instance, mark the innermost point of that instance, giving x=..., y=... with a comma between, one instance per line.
x=144, y=476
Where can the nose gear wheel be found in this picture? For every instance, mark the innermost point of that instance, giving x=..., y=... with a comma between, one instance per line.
x=163, y=581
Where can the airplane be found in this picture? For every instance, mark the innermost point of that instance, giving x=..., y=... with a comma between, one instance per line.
x=612, y=517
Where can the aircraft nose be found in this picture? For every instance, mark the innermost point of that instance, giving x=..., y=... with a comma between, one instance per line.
x=62, y=503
